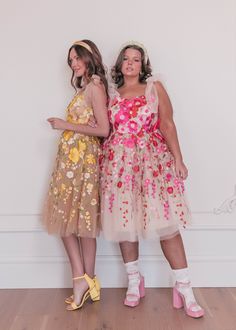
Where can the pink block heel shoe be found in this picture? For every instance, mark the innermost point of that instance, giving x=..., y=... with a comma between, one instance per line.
x=135, y=298
x=179, y=302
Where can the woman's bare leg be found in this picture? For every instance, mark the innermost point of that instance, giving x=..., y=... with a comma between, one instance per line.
x=174, y=252
x=88, y=250
x=72, y=248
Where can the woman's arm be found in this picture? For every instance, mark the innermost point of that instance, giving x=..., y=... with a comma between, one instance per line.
x=99, y=105
x=168, y=130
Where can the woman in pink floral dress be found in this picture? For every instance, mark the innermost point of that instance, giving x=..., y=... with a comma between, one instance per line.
x=142, y=191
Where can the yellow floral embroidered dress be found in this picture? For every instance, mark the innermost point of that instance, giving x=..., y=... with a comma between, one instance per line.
x=72, y=203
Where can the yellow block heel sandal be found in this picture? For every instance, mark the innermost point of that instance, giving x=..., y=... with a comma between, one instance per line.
x=70, y=299
x=91, y=292
x=98, y=288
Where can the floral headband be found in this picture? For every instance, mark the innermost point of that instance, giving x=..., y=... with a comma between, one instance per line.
x=138, y=44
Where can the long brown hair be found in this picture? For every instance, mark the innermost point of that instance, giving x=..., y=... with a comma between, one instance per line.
x=146, y=70
x=93, y=62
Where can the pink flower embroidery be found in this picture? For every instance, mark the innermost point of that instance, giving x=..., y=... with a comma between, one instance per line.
x=133, y=111
x=127, y=178
x=163, y=148
x=166, y=205
x=170, y=190
x=141, y=143
x=119, y=184
x=176, y=182
x=132, y=125
x=136, y=168
x=111, y=154
x=121, y=117
x=129, y=143
x=154, y=142
x=168, y=177
x=115, y=141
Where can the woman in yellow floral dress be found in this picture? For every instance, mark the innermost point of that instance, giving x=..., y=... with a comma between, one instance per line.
x=72, y=205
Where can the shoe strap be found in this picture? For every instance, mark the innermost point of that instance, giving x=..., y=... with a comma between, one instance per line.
x=74, y=305
x=194, y=304
x=89, y=280
x=85, y=276
x=78, y=277
x=132, y=295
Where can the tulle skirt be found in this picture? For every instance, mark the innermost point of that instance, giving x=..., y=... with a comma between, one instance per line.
x=141, y=197
x=72, y=203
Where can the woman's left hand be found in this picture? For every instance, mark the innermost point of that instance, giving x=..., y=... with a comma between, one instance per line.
x=57, y=123
x=181, y=170
x=92, y=122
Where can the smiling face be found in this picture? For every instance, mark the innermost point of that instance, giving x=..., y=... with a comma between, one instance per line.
x=132, y=63
x=77, y=64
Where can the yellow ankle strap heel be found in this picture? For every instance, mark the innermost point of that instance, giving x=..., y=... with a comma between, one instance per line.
x=69, y=300
x=92, y=292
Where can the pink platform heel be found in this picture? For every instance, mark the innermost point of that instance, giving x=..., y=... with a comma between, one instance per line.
x=179, y=302
x=135, y=298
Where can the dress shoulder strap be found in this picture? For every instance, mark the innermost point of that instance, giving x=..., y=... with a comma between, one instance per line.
x=151, y=93
x=112, y=91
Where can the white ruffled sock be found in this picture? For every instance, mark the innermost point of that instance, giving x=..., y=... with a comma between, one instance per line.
x=184, y=287
x=133, y=280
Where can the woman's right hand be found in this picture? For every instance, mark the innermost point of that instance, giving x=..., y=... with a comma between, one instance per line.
x=180, y=169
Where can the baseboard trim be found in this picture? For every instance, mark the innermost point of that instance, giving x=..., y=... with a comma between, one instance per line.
x=108, y=258
x=54, y=272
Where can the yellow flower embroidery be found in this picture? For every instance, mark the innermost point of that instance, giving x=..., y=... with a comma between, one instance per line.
x=58, y=176
x=90, y=159
x=74, y=155
x=65, y=148
x=69, y=174
x=55, y=191
x=81, y=146
x=93, y=201
x=87, y=175
x=67, y=135
x=63, y=187
x=89, y=188
x=70, y=119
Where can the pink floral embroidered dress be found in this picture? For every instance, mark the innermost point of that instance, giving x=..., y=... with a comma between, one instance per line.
x=141, y=197
x=72, y=203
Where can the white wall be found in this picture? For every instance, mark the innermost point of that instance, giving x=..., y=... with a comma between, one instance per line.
x=193, y=45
